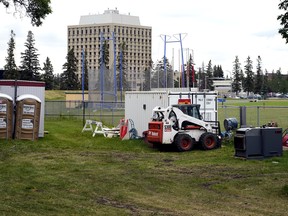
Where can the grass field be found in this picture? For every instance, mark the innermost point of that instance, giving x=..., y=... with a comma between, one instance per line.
x=73, y=173
x=54, y=95
x=257, y=113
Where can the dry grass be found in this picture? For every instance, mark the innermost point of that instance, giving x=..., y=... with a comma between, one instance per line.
x=54, y=95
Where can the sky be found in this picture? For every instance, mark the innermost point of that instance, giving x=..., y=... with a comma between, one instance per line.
x=216, y=30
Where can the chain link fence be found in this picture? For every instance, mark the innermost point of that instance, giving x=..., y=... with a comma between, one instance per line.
x=256, y=116
x=109, y=113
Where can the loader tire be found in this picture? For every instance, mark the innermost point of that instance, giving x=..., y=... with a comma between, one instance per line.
x=209, y=141
x=184, y=142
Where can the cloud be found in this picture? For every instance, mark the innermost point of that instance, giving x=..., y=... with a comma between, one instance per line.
x=216, y=30
x=267, y=33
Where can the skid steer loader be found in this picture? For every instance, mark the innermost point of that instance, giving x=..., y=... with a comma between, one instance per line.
x=182, y=126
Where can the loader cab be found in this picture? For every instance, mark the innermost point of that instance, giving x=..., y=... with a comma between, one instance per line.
x=190, y=109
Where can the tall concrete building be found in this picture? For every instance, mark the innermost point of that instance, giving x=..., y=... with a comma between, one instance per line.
x=125, y=28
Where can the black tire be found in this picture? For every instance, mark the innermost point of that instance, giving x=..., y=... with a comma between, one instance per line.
x=209, y=141
x=184, y=142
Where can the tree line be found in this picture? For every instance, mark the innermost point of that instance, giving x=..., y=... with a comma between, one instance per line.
x=29, y=68
x=257, y=81
x=158, y=75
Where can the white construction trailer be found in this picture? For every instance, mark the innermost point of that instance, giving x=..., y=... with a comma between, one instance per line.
x=139, y=105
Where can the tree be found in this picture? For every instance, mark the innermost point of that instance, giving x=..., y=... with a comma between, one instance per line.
x=34, y=9
x=57, y=81
x=273, y=83
x=265, y=88
x=121, y=75
x=202, y=77
x=11, y=71
x=48, y=76
x=258, y=77
x=249, y=78
x=104, y=55
x=30, y=64
x=69, y=77
x=242, y=78
x=209, y=76
x=86, y=84
x=217, y=71
x=159, y=79
x=105, y=75
x=190, y=72
x=236, y=83
x=147, y=77
x=280, y=82
x=283, y=19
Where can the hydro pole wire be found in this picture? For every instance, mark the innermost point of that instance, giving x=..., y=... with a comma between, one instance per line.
x=178, y=40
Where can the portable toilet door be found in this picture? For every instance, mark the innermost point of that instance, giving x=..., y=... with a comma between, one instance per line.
x=27, y=117
x=6, y=116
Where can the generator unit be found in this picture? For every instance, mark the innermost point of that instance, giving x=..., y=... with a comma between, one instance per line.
x=253, y=143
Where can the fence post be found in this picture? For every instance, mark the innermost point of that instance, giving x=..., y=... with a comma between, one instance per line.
x=243, y=116
x=83, y=114
x=258, y=116
x=113, y=115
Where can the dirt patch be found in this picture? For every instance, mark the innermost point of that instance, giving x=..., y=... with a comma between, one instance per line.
x=208, y=185
x=168, y=160
x=116, y=204
x=134, y=210
x=87, y=154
